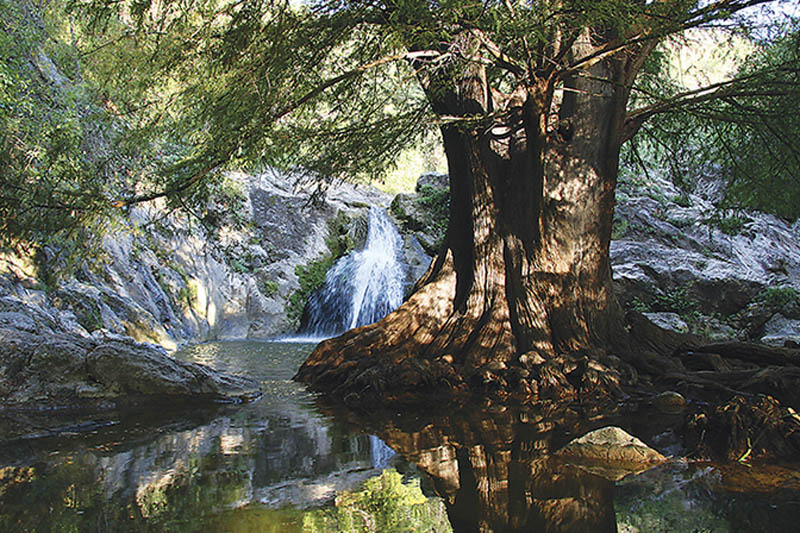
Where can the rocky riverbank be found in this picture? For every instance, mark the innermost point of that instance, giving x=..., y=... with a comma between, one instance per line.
x=102, y=334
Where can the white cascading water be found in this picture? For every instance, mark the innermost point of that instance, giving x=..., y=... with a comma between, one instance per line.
x=361, y=287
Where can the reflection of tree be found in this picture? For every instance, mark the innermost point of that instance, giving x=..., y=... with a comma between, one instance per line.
x=495, y=470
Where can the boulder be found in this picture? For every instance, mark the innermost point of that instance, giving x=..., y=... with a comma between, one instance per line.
x=675, y=252
x=611, y=453
x=131, y=368
x=67, y=370
x=437, y=180
x=781, y=331
x=670, y=321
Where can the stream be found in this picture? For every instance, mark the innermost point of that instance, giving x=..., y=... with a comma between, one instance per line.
x=291, y=462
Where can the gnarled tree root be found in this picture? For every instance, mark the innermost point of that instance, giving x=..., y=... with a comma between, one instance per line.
x=739, y=394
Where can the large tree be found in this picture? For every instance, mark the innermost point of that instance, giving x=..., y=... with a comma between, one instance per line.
x=534, y=103
x=533, y=99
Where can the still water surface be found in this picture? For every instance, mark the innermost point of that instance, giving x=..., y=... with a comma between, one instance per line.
x=289, y=463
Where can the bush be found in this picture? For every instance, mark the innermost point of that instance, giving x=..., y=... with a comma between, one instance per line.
x=619, y=228
x=779, y=297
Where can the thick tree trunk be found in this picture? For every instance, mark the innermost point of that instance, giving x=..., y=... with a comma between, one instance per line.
x=524, y=274
x=519, y=302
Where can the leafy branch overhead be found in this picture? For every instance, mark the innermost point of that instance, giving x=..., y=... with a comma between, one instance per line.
x=177, y=91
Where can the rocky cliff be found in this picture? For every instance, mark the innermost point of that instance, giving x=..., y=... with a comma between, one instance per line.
x=693, y=267
x=162, y=280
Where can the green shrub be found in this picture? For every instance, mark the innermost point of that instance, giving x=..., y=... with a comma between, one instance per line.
x=268, y=287
x=437, y=201
x=728, y=224
x=677, y=300
x=682, y=200
x=779, y=297
x=619, y=228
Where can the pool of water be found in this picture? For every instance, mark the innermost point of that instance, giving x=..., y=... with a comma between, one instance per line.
x=292, y=462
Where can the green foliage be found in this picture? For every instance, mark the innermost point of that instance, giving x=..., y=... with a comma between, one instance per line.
x=677, y=300
x=619, y=228
x=312, y=276
x=640, y=306
x=749, y=136
x=385, y=503
x=779, y=297
x=56, y=175
x=268, y=287
x=732, y=224
x=437, y=201
x=682, y=199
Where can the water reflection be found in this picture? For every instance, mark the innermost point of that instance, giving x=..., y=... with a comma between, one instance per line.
x=497, y=470
x=275, y=459
x=291, y=462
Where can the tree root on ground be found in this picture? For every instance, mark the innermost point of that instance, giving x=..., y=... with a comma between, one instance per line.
x=740, y=395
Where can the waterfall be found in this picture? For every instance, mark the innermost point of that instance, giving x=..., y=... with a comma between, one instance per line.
x=361, y=287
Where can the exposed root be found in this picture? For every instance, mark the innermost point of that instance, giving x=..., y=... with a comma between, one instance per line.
x=744, y=429
x=427, y=351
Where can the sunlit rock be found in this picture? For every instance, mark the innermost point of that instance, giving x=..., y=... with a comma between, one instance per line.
x=610, y=453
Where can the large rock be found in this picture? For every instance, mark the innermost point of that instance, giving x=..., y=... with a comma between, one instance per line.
x=59, y=370
x=611, y=453
x=781, y=331
x=49, y=363
x=140, y=369
x=675, y=252
x=423, y=215
x=162, y=280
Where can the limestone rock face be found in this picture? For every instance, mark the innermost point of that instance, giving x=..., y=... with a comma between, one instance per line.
x=677, y=258
x=166, y=282
x=674, y=252
x=781, y=331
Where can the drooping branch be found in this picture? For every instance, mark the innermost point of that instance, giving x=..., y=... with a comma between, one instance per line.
x=655, y=32
x=744, y=86
x=271, y=118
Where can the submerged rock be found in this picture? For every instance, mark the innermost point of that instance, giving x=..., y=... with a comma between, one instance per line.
x=670, y=402
x=611, y=453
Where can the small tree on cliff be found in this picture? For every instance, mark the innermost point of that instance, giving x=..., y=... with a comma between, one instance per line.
x=533, y=101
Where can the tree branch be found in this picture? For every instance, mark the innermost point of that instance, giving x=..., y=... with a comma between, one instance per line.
x=273, y=117
x=726, y=89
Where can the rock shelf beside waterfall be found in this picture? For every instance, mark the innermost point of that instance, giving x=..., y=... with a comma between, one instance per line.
x=45, y=368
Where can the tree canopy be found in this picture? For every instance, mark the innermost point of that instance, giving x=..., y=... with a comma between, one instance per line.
x=174, y=91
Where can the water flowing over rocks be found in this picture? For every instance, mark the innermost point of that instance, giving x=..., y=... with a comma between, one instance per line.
x=362, y=287
x=99, y=338
x=161, y=281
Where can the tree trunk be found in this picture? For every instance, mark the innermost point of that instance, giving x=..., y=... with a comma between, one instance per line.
x=524, y=275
